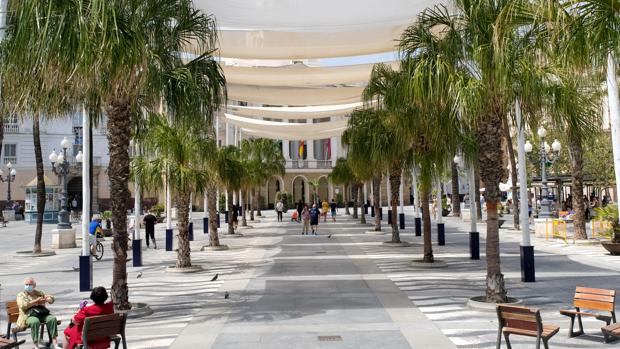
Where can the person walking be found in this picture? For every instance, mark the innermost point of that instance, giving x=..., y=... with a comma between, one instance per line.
x=149, y=221
x=305, y=218
x=325, y=209
x=279, y=209
x=300, y=207
x=314, y=219
x=333, y=206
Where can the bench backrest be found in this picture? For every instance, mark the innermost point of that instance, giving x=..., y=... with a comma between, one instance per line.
x=12, y=311
x=519, y=317
x=103, y=326
x=595, y=299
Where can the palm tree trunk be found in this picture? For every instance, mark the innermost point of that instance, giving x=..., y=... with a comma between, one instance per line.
x=183, y=253
x=360, y=198
x=40, y=183
x=575, y=152
x=489, y=136
x=513, y=170
x=214, y=239
x=425, y=192
x=242, y=198
x=231, y=227
x=477, y=191
x=119, y=133
x=376, y=186
x=252, y=204
x=354, y=191
x=346, y=200
x=257, y=203
x=395, y=172
x=456, y=197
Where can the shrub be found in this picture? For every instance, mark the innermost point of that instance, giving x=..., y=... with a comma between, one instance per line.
x=158, y=209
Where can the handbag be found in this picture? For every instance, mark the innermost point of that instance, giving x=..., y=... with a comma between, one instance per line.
x=39, y=312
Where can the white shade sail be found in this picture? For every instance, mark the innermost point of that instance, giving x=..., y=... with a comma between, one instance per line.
x=294, y=96
x=292, y=113
x=259, y=44
x=299, y=75
x=287, y=130
x=312, y=16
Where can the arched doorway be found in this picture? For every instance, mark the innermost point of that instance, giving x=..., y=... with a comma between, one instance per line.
x=274, y=185
x=300, y=186
x=323, y=190
x=74, y=194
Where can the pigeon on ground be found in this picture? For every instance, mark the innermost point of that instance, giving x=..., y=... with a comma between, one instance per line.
x=329, y=236
x=139, y=275
x=226, y=295
x=215, y=277
x=75, y=269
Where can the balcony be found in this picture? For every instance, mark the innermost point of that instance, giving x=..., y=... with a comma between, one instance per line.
x=11, y=128
x=309, y=164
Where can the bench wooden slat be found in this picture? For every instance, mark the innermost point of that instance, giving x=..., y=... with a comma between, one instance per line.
x=519, y=316
x=103, y=327
x=595, y=297
x=587, y=304
x=599, y=291
x=548, y=331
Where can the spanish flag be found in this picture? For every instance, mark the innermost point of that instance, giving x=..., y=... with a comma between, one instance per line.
x=301, y=149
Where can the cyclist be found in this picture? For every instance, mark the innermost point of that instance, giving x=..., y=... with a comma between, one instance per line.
x=94, y=230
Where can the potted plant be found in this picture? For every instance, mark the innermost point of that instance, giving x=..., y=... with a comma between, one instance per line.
x=157, y=210
x=107, y=229
x=609, y=213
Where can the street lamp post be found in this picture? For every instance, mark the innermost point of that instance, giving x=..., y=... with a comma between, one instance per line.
x=8, y=179
x=548, y=155
x=474, y=235
x=61, y=167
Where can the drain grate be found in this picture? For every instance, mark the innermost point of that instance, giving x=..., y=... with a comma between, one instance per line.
x=330, y=339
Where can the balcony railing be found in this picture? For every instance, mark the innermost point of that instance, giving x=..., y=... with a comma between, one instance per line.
x=314, y=164
x=11, y=128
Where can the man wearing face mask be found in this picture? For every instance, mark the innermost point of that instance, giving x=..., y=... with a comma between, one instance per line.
x=32, y=312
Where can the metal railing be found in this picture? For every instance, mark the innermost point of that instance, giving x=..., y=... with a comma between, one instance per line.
x=302, y=164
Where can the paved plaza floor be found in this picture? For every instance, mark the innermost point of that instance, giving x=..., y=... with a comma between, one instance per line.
x=344, y=291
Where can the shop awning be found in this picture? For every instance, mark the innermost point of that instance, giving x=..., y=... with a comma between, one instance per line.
x=292, y=113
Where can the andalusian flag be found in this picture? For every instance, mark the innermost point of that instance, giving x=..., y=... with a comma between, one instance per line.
x=301, y=149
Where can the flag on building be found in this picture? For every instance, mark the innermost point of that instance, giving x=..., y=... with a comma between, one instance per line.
x=301, y=150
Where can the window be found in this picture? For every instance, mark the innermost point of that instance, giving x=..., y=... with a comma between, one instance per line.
x=10, y=153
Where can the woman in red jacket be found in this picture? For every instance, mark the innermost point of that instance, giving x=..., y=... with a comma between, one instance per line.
x=73, y=333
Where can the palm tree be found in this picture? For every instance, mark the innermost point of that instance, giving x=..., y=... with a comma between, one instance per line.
x=182, y=151
x=455, y=56
x=263, y=159
x=117, y=49
x=342, y=175
x=229, y=171
x=456, y=198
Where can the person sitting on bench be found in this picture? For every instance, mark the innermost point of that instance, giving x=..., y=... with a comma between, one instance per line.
x=73, y=333
x=32, y=312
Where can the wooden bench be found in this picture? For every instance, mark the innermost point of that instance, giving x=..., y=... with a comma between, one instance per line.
x=9, y=344
x=524, y=322
x=611, y=332
x=12, y=313
x=98, y=327
x=597, y=299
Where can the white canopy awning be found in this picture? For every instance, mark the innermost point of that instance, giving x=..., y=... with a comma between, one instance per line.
x=287, y=130
x=260, y=44
x=300, y=75
x=292, y=113
x=293, y=95
x=312, y=16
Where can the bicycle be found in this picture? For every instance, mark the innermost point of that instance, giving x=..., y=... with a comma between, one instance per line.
x=98, y=249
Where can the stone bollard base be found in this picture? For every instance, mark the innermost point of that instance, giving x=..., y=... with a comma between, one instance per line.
x=63, y=238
